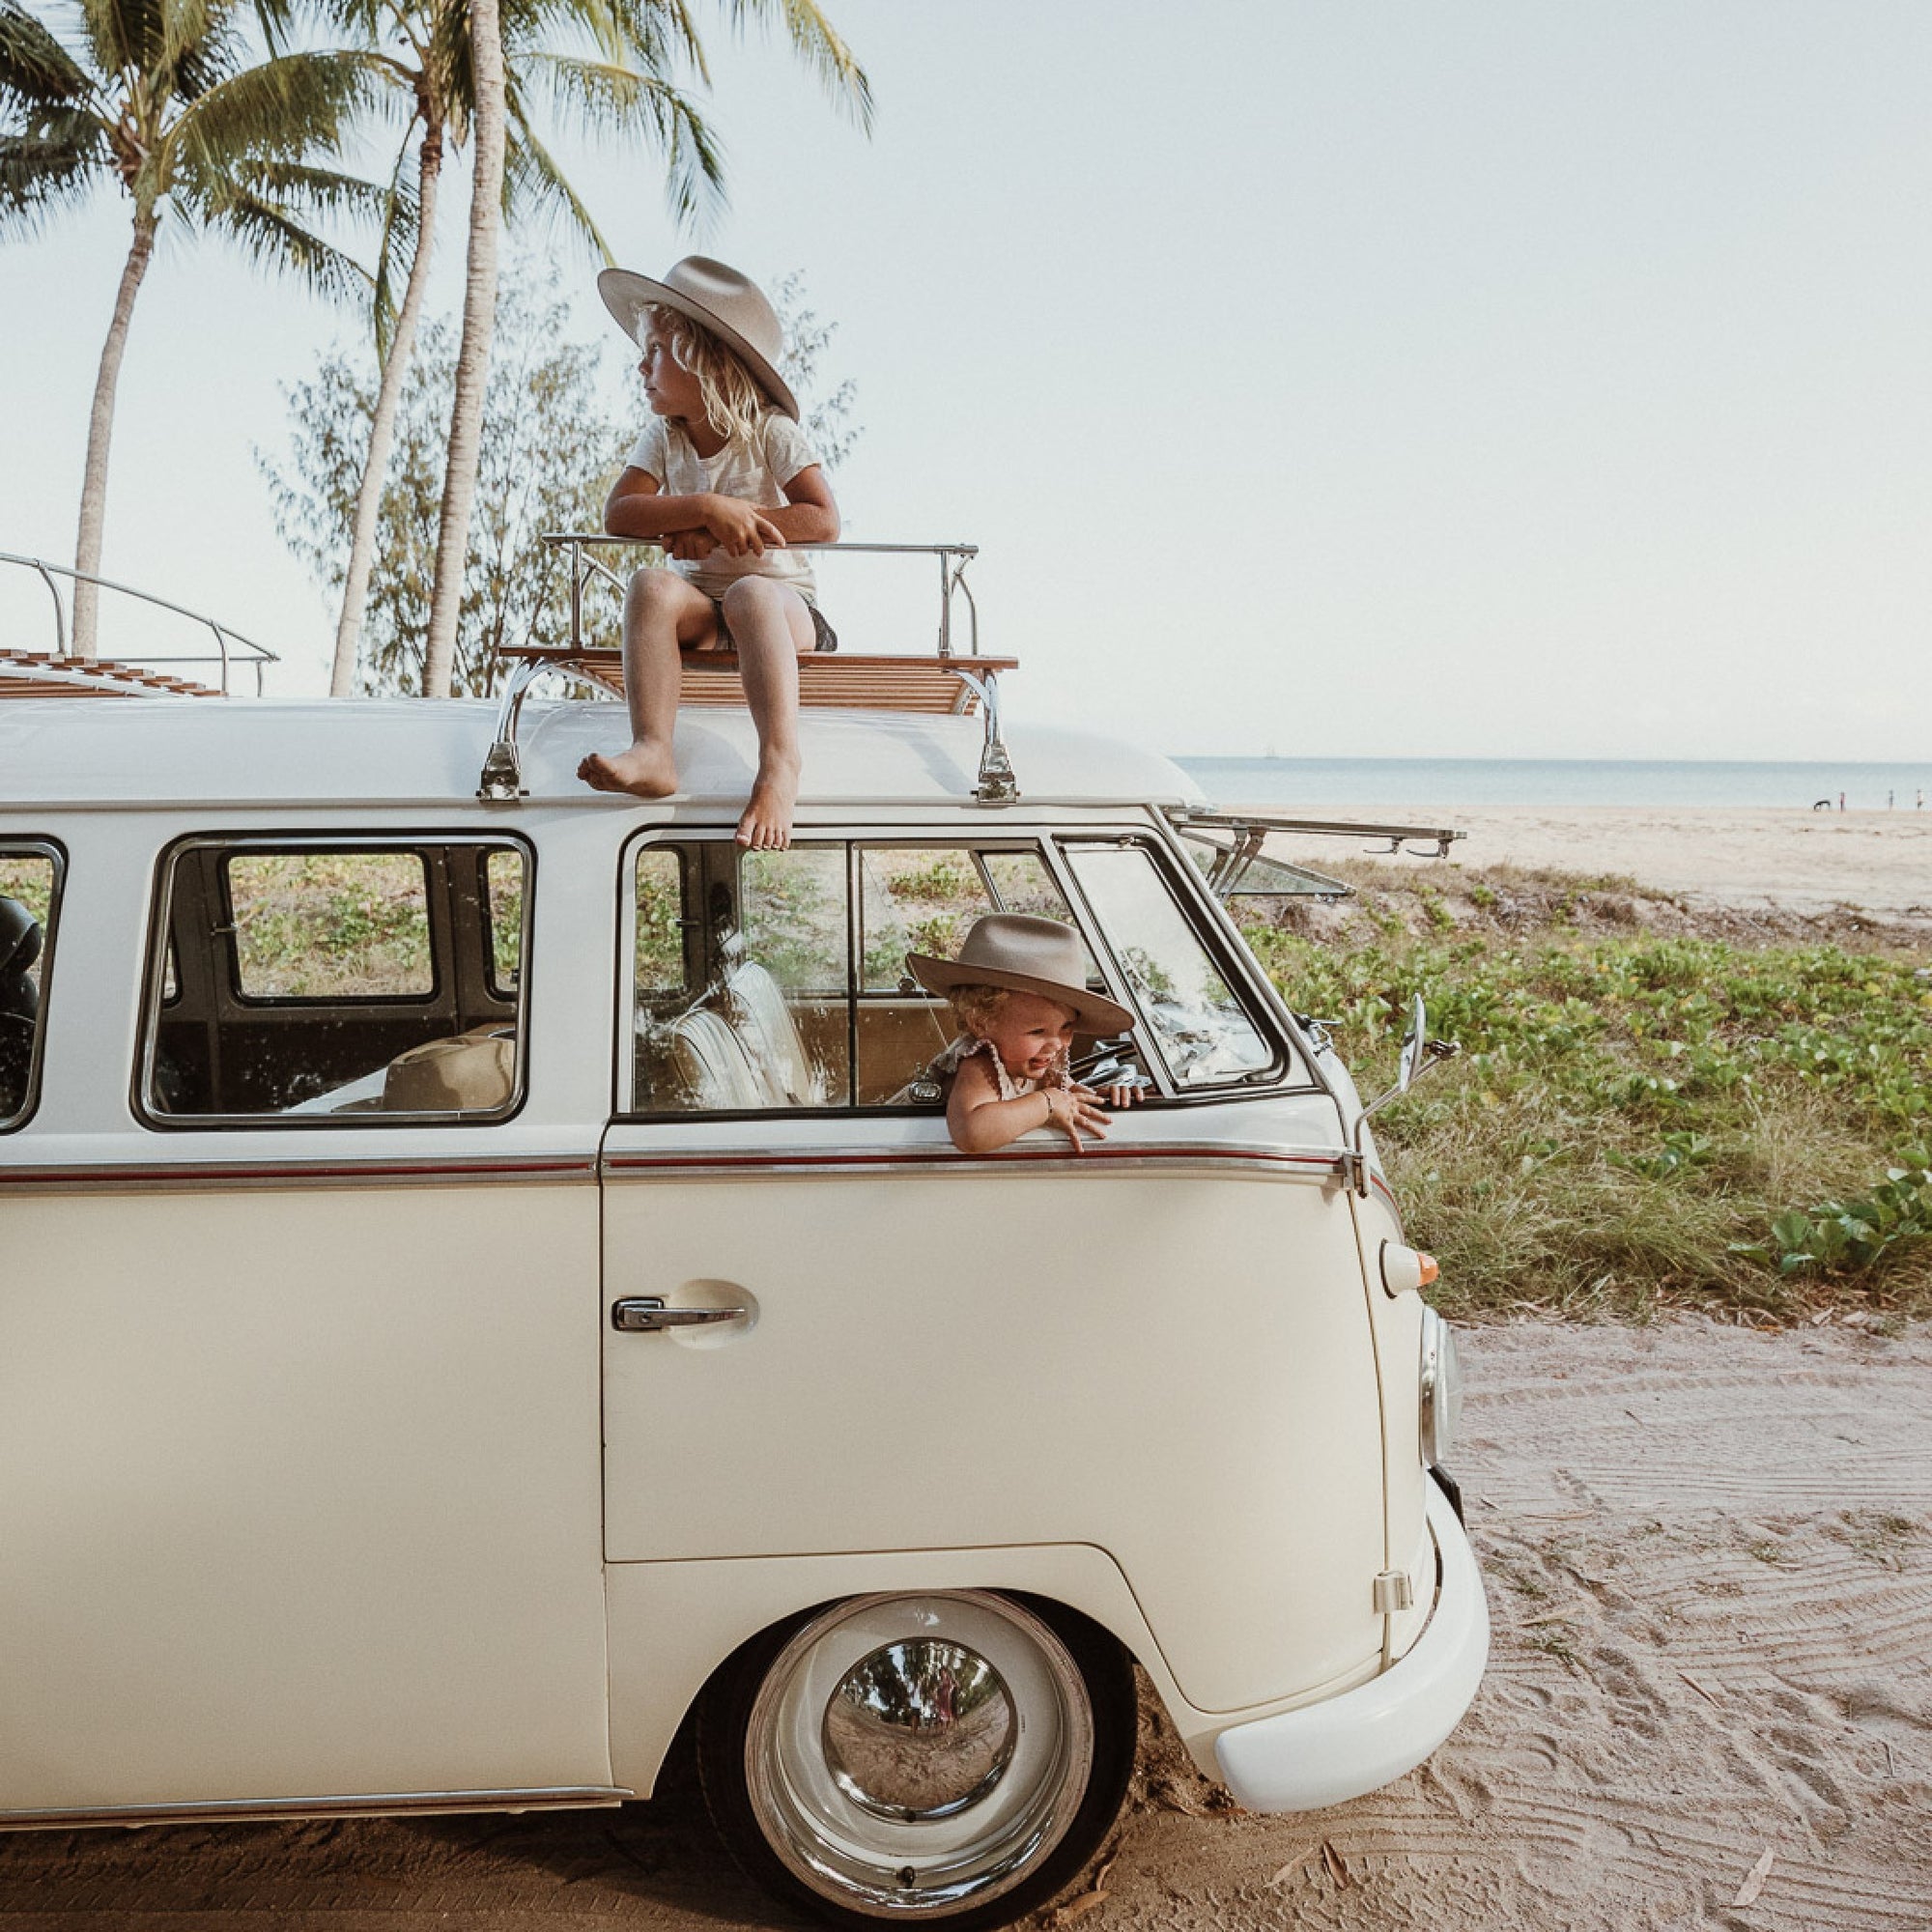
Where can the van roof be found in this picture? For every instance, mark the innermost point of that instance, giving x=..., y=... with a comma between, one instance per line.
x=408, y=751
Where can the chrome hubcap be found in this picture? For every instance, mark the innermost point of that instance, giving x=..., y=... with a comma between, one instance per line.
x=920, y=1730
x=907, y=1757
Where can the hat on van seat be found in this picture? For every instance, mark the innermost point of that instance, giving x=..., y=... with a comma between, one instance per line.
x=729, y=304
x=473, y=1074
x=1027, y=955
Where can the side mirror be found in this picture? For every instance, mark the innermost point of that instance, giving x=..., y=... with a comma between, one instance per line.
x=1414, y=1045
x=1419, y=1053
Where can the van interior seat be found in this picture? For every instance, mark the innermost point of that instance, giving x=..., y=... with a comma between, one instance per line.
x=757, y=1008
x=713, y=1069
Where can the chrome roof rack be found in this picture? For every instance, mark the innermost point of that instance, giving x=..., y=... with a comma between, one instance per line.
x=63, y=672
x=950, y=681
x=1236, y=867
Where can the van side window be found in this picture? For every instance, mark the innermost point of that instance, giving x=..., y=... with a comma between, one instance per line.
x=30, y=879
x=308, y=984
x=1200, y=1028
x=786, y=985
x=503, y=909
x=319, y=925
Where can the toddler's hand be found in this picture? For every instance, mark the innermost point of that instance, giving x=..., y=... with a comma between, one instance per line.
x=1072, y=1110
x=741, y=529
x=689, y=546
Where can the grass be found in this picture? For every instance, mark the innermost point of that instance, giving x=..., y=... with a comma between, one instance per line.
x=1639, y=1120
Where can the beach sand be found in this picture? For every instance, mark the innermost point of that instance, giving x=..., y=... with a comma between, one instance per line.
x=1802, y=861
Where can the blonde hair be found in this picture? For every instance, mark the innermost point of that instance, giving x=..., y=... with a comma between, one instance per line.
x=972, y=1004
x=976, y=1003
x=734, y=404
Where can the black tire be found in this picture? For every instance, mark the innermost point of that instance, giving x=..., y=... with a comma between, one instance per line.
x=997, y=1733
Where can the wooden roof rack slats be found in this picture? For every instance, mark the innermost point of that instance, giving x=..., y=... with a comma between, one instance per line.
x=43, y=674
x=826, y=679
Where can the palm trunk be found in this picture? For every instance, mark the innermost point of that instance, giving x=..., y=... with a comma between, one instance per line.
x=99, y=434
x=473, y=360
x=382, y=428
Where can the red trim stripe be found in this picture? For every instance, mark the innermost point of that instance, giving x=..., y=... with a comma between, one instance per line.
x=370, y=1170
x=947, y=1158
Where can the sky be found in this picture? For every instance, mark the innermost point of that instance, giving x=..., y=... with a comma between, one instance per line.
x=1393, y=379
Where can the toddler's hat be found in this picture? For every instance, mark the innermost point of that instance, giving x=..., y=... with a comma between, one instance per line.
x=1026, y=955
x=730, y=306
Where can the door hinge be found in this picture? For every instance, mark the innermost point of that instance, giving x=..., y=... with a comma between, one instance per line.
x=1394, y=1592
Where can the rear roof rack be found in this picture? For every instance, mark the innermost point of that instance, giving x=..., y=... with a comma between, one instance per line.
x=947, y=683
x=61, y=674
x=43, y=674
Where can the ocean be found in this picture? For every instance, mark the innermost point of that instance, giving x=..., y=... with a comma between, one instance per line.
x=1333, y=782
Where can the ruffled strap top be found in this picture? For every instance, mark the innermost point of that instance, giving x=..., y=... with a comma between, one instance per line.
x=947, y=1063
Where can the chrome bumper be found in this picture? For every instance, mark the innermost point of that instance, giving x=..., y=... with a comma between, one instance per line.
x=1357, y=1741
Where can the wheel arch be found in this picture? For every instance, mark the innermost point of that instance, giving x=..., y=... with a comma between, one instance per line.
x=673, y=1626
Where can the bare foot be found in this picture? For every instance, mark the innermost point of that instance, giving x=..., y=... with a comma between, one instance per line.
x=766, y=826
x=644, y=771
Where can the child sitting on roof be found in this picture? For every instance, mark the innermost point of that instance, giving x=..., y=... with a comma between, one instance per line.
x=1019, y=991
x=725, y=480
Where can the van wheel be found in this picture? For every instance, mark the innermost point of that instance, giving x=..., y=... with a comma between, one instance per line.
x=953, y=1759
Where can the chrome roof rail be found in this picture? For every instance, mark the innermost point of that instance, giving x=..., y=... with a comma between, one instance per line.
x=227, y=643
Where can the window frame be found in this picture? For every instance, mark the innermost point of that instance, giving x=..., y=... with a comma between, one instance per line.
x=320, y=839
x=1277, y=1076
x=30, y=845
x=231, y=929
x=1039, y=842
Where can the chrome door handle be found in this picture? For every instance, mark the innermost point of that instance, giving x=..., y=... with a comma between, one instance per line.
x=646, y=1314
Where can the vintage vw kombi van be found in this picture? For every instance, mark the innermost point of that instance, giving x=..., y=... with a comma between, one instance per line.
x=484, y=1285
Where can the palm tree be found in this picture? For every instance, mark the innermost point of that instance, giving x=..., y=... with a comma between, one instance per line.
x=654, y=32
x=472, y=356
x=425, y=48
x=162, y=97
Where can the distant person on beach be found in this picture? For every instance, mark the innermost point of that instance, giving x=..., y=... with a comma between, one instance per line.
x=1018, y=992
x=725, y=479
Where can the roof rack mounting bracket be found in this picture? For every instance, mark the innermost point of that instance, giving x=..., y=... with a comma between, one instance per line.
x=501, y=779
x=998, y=784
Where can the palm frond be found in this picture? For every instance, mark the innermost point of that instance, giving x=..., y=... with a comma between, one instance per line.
x=270, y=235
x=292, y=105
x=610, y=102
x=300, y=190
x=534, y=184
x=817, y=43
x=201, y=44
x=35, y=71
x=42, y=177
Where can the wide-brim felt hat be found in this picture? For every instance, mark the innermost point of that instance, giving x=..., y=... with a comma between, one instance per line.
x=729, y=304
x=1026, y=955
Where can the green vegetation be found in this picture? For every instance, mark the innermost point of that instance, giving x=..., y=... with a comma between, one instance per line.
x=1638, y=1118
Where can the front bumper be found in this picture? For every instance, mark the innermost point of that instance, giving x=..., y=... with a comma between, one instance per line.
x=1357, y=1741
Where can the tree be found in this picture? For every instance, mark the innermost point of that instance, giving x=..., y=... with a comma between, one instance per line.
x=472, y=360
x=163, y=98
x=640, y=23
x=609, y=82
x=554, y=436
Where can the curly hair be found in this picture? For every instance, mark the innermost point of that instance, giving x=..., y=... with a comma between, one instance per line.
x=976, y=1003
x=733, y=402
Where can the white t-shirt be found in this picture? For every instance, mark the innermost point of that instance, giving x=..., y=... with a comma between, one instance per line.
x=759, y=475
